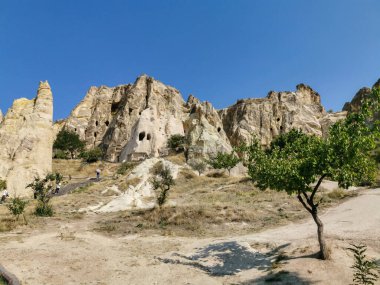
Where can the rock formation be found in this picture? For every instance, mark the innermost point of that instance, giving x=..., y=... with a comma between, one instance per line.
x=134, y=121
x=278, y=113
x=26, y=138
x=355, y=103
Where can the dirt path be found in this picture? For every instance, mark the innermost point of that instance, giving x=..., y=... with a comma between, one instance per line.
x=73, y=254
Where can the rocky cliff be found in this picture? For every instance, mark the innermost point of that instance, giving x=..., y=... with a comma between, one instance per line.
x=355, y=103
x=26, y=139
x=278, y=113
x=134, y=121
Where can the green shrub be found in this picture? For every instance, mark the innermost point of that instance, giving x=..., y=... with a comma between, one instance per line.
x=92, y=155
x=224, y=161
x=365, y=271
x=60, y=154
x=3, y=184
x=177, y=142
x=163, y=181
x=17, y=207
x=44, y=210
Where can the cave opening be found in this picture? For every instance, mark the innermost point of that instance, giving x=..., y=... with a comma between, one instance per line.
x=148, y=137
x=141, y=136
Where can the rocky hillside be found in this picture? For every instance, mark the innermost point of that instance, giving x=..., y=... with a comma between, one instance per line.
x=134, y=121
x=355, y=103
x=26, y=140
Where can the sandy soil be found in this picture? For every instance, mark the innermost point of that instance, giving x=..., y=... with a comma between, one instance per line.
x=71, y=253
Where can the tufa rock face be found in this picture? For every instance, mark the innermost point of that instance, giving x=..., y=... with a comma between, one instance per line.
x=355, y=103
x=26, y=139
x=134, y=121
x=278, y=113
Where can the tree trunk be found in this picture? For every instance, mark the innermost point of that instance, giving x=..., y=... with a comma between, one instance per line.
x=323, y=250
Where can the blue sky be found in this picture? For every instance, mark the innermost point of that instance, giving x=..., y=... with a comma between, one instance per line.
x=218, y=50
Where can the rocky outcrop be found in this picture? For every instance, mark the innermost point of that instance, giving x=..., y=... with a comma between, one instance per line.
x=134, y=121
x=355, y=103
x=278, y=113
x=26, y=138
x=1, y=116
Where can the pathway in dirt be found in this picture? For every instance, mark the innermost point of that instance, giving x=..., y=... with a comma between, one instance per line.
x=73, y=254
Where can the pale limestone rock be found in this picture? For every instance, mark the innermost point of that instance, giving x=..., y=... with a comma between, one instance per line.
x=1, y=116
x=26, y=138
x=204, y=130
x=330, y=119
x=278, y=113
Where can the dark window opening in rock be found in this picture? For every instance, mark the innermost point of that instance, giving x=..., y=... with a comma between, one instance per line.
x=97, y=123
x=281, y=128
x=130, y=111
x=107, y=123
x=141, y=136
x=114, y=107
x=193, y=110
x=278, y=119
x=148, y=137
x=219, y=129
x=95, y=134
x=75, y=129
x=139, y=113
x=271, y=129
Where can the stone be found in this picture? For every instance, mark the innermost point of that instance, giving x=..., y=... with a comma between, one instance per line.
x=356, y=102
x=26, y=139
x=269, y=117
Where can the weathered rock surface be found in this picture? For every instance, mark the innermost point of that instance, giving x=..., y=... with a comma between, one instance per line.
x=278, y=113
x=26, y=139
x=355, y=103
x=134, y=121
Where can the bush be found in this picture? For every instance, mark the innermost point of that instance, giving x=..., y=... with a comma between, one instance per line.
x=92, y=155
x=197, y=165
x=177, y=142
x=17, y=207
x=60, y=154
x=124, y=167
x=365, y=271
x=44, y=210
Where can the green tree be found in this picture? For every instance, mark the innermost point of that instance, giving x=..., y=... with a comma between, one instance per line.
x=42, y=192
x=177, y=142
x=224, y=160
x=163, y=181
x=68, y=141
x=17, y=207
x=295, y=161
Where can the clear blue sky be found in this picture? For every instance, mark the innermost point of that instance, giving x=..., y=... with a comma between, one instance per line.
x=218, y=50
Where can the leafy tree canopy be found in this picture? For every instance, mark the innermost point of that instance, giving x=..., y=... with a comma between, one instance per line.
x=68, y=141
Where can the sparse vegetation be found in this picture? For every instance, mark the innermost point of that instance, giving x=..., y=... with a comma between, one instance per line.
x=124, y=167
x=3, y=184
x=365, y=270
x=197, y=165
x=224, y=161
x=68, y=141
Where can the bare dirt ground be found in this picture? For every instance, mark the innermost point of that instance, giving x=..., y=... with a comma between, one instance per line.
x=62, y=252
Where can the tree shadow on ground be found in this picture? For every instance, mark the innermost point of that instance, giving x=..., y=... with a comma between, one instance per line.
x=227, y=258
x=282, y=277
